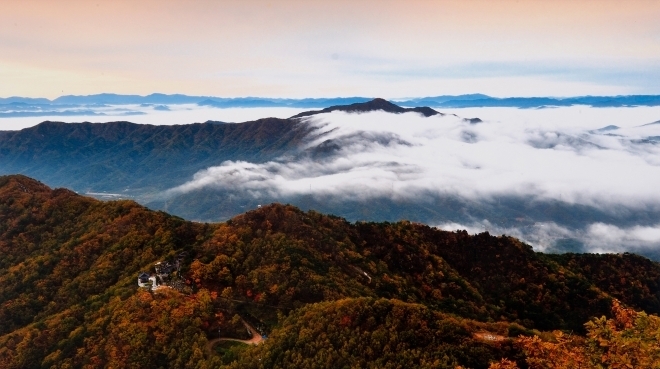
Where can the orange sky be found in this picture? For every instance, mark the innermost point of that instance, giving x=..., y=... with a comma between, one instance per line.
x=322, y=48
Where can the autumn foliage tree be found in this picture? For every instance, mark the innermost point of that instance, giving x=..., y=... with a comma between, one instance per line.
x=628, y=340
x=327, y=292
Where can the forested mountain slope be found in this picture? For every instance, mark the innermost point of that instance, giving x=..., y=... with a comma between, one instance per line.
x=59, y=249
x=320, y=287
x=139, y=157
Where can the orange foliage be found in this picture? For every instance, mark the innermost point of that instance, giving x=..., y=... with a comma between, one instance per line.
x=629, y=340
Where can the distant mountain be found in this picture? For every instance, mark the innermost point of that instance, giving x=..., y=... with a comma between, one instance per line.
x=128, y=99
x=24, y=100
x=538, y=102
x=443, y=101
x=218, y=102
x=57, y=113
x=435, y=100
x=373, y=105
x=395, y=293
x=241, y=103
x=250, y=102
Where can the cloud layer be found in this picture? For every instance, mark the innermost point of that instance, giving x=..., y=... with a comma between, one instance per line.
x=404, y=156
x=596, y=237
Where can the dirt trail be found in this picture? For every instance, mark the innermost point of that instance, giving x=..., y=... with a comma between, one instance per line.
x=255, y=340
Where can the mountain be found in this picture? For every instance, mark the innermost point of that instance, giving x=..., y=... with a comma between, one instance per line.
x=23, y=100
x=158, y=98
x=474, y=101
x=106, y=98
x=443, y=101
x=435, y=100
x=255, y=102
x=129, y=158
x=213, y=171
x=373, y=105
x=382, y=292
x=219, y=102
x=58, y=113
x=506, y=214
x=116, y=105
x=107, y=104
x=241, y=102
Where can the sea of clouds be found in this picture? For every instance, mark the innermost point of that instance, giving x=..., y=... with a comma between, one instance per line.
x=607, y=158
x=404, y=155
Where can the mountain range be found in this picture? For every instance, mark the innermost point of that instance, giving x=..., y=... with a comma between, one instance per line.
x=361, y=294
x=13, y=106
x=208, y=171
x=213, y=171
x=134, y=159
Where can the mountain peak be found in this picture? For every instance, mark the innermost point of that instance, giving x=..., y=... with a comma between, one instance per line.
x=377, y=104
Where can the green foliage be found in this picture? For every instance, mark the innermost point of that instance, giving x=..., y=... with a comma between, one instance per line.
x=119, y=155
x=229, y=351
x=633, y=279
x=374, y=333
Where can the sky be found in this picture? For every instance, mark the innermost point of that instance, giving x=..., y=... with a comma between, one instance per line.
x=295, y=48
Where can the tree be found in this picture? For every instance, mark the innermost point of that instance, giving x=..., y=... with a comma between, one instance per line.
x=629, y=340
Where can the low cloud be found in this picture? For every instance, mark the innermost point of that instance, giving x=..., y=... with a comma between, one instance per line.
x=595, y=238
x=602, y=237
x=406, y=155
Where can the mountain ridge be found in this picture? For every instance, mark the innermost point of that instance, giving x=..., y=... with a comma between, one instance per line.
x=112, y=156
x=68, y=293
x=118, y=155
x=442, y=101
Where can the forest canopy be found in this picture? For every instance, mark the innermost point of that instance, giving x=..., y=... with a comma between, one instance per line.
x=316, y=290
